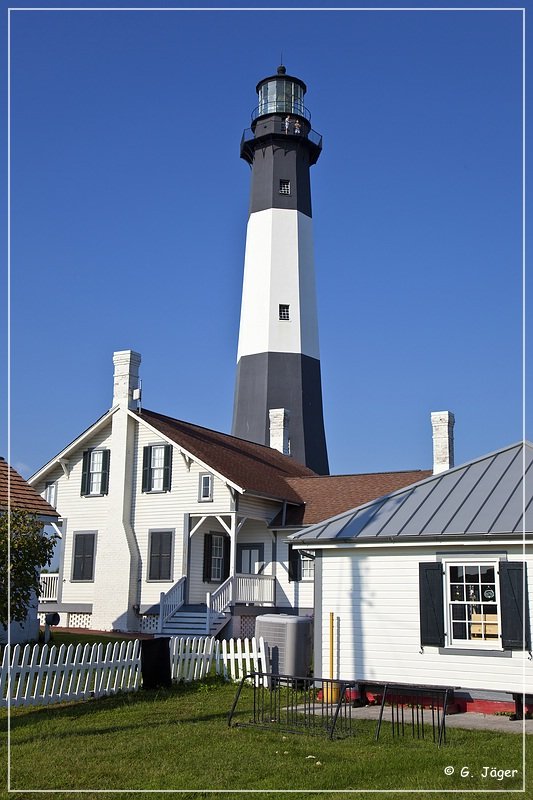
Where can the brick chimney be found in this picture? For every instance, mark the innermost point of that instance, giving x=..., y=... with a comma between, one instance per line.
x=442, y=423
x=279, y=430
x=125, y=377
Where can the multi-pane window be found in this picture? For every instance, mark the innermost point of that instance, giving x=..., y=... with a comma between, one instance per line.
x=157, y=463
x=284, y=187
x=476, y=603
x=473, y=602
x=308, y=568
x=157, y=466
x=50, y=493
x=83, y=559
x=217, y=557
x=160, y=568
x=284, y=311
x=95, y=472
x=205, y=492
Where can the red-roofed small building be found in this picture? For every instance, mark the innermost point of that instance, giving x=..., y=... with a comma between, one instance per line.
x=16, y=493
x=174, y=528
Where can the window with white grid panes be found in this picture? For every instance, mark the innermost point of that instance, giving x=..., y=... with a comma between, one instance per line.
x=157, y=467
x=284, y=186
x=206, y=487
x=284, y=311
x=50, y=493
x=308, y=568
x=473, y=603
x=217, y=557
x=95, y=470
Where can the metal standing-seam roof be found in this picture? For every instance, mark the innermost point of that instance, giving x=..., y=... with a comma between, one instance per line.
x=491, y=496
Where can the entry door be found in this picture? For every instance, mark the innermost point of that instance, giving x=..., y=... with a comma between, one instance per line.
x=251, y=560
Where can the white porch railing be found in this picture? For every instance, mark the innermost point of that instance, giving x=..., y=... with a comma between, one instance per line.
x=218, y=601
x=254, y=589
x=171, y=601
x=49, y=587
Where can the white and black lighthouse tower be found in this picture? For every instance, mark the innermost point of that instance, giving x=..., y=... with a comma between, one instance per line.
x=278, y=362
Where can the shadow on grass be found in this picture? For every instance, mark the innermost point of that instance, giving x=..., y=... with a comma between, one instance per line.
x=82, y=709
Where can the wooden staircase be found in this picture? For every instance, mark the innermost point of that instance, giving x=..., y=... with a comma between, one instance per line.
x=190, y=620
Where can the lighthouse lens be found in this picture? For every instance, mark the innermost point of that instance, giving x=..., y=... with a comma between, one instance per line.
x=280, y=97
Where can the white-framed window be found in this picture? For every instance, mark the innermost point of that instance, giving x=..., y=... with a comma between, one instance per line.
x=95, y=472
x=284, y=186
x=50, y=493
x=205, y=487
x=308, y=568
x=217, y=557
x=157, y=467
x=284, y=311
x=473, y=616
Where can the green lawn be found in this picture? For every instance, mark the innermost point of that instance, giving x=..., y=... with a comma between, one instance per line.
x=179, y=739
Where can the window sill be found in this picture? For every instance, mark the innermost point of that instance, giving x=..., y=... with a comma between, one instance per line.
x=455, y=649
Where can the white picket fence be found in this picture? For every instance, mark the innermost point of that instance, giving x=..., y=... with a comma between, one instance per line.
x=41, y=675
x=192, y=658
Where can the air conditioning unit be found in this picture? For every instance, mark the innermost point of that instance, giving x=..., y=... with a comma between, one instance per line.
x=290, y=642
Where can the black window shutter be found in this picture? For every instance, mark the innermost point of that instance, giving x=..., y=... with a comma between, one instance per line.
x=226, y=542
x=83, y=557
x=431, y=604
x=167, y=468
x=295, y=564
x=208, y=549
x=104, y=489
x=155, y=545
x=147, y=469
x=85, y=477
x=514, y=606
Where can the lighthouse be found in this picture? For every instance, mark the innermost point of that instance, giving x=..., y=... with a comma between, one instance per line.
x=278, y=361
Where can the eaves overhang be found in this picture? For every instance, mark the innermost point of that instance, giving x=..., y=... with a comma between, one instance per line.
x=77, y=442
x=187, y=453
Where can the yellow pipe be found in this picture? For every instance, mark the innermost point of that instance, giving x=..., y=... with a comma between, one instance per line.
x=331, y=619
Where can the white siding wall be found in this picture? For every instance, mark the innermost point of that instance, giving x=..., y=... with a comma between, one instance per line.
x=291, y=594
x=167, y=511
x=375, y=600
x=80, y=514
x=258, y=508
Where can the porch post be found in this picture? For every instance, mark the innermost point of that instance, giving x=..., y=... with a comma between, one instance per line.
x=233, y=554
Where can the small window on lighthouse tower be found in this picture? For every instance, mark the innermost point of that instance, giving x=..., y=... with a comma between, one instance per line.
x=284, y=311
x=284, y=187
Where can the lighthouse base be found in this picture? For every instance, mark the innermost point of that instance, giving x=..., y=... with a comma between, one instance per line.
x=282, y=380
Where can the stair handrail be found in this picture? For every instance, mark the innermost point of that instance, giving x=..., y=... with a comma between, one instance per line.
x=218, y=601
x=171, y=601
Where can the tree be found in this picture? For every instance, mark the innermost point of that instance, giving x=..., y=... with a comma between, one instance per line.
x=31, y=549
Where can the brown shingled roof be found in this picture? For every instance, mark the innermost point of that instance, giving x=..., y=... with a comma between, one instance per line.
x=326, y=496
x=254, y=467
x=22, y=495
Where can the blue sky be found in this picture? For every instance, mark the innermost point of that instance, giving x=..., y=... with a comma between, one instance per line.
x=129, y=207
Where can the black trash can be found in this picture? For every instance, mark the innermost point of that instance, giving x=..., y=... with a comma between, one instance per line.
x=155, y=662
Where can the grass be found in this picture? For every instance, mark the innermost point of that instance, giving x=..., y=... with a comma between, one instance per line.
x=179, y=739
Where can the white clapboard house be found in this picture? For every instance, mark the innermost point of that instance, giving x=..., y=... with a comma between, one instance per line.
x=173, y=528
x=432, y=584
x=16, y=493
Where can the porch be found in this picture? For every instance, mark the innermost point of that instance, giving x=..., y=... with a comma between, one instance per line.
x=49, y=587
x=176, y=617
